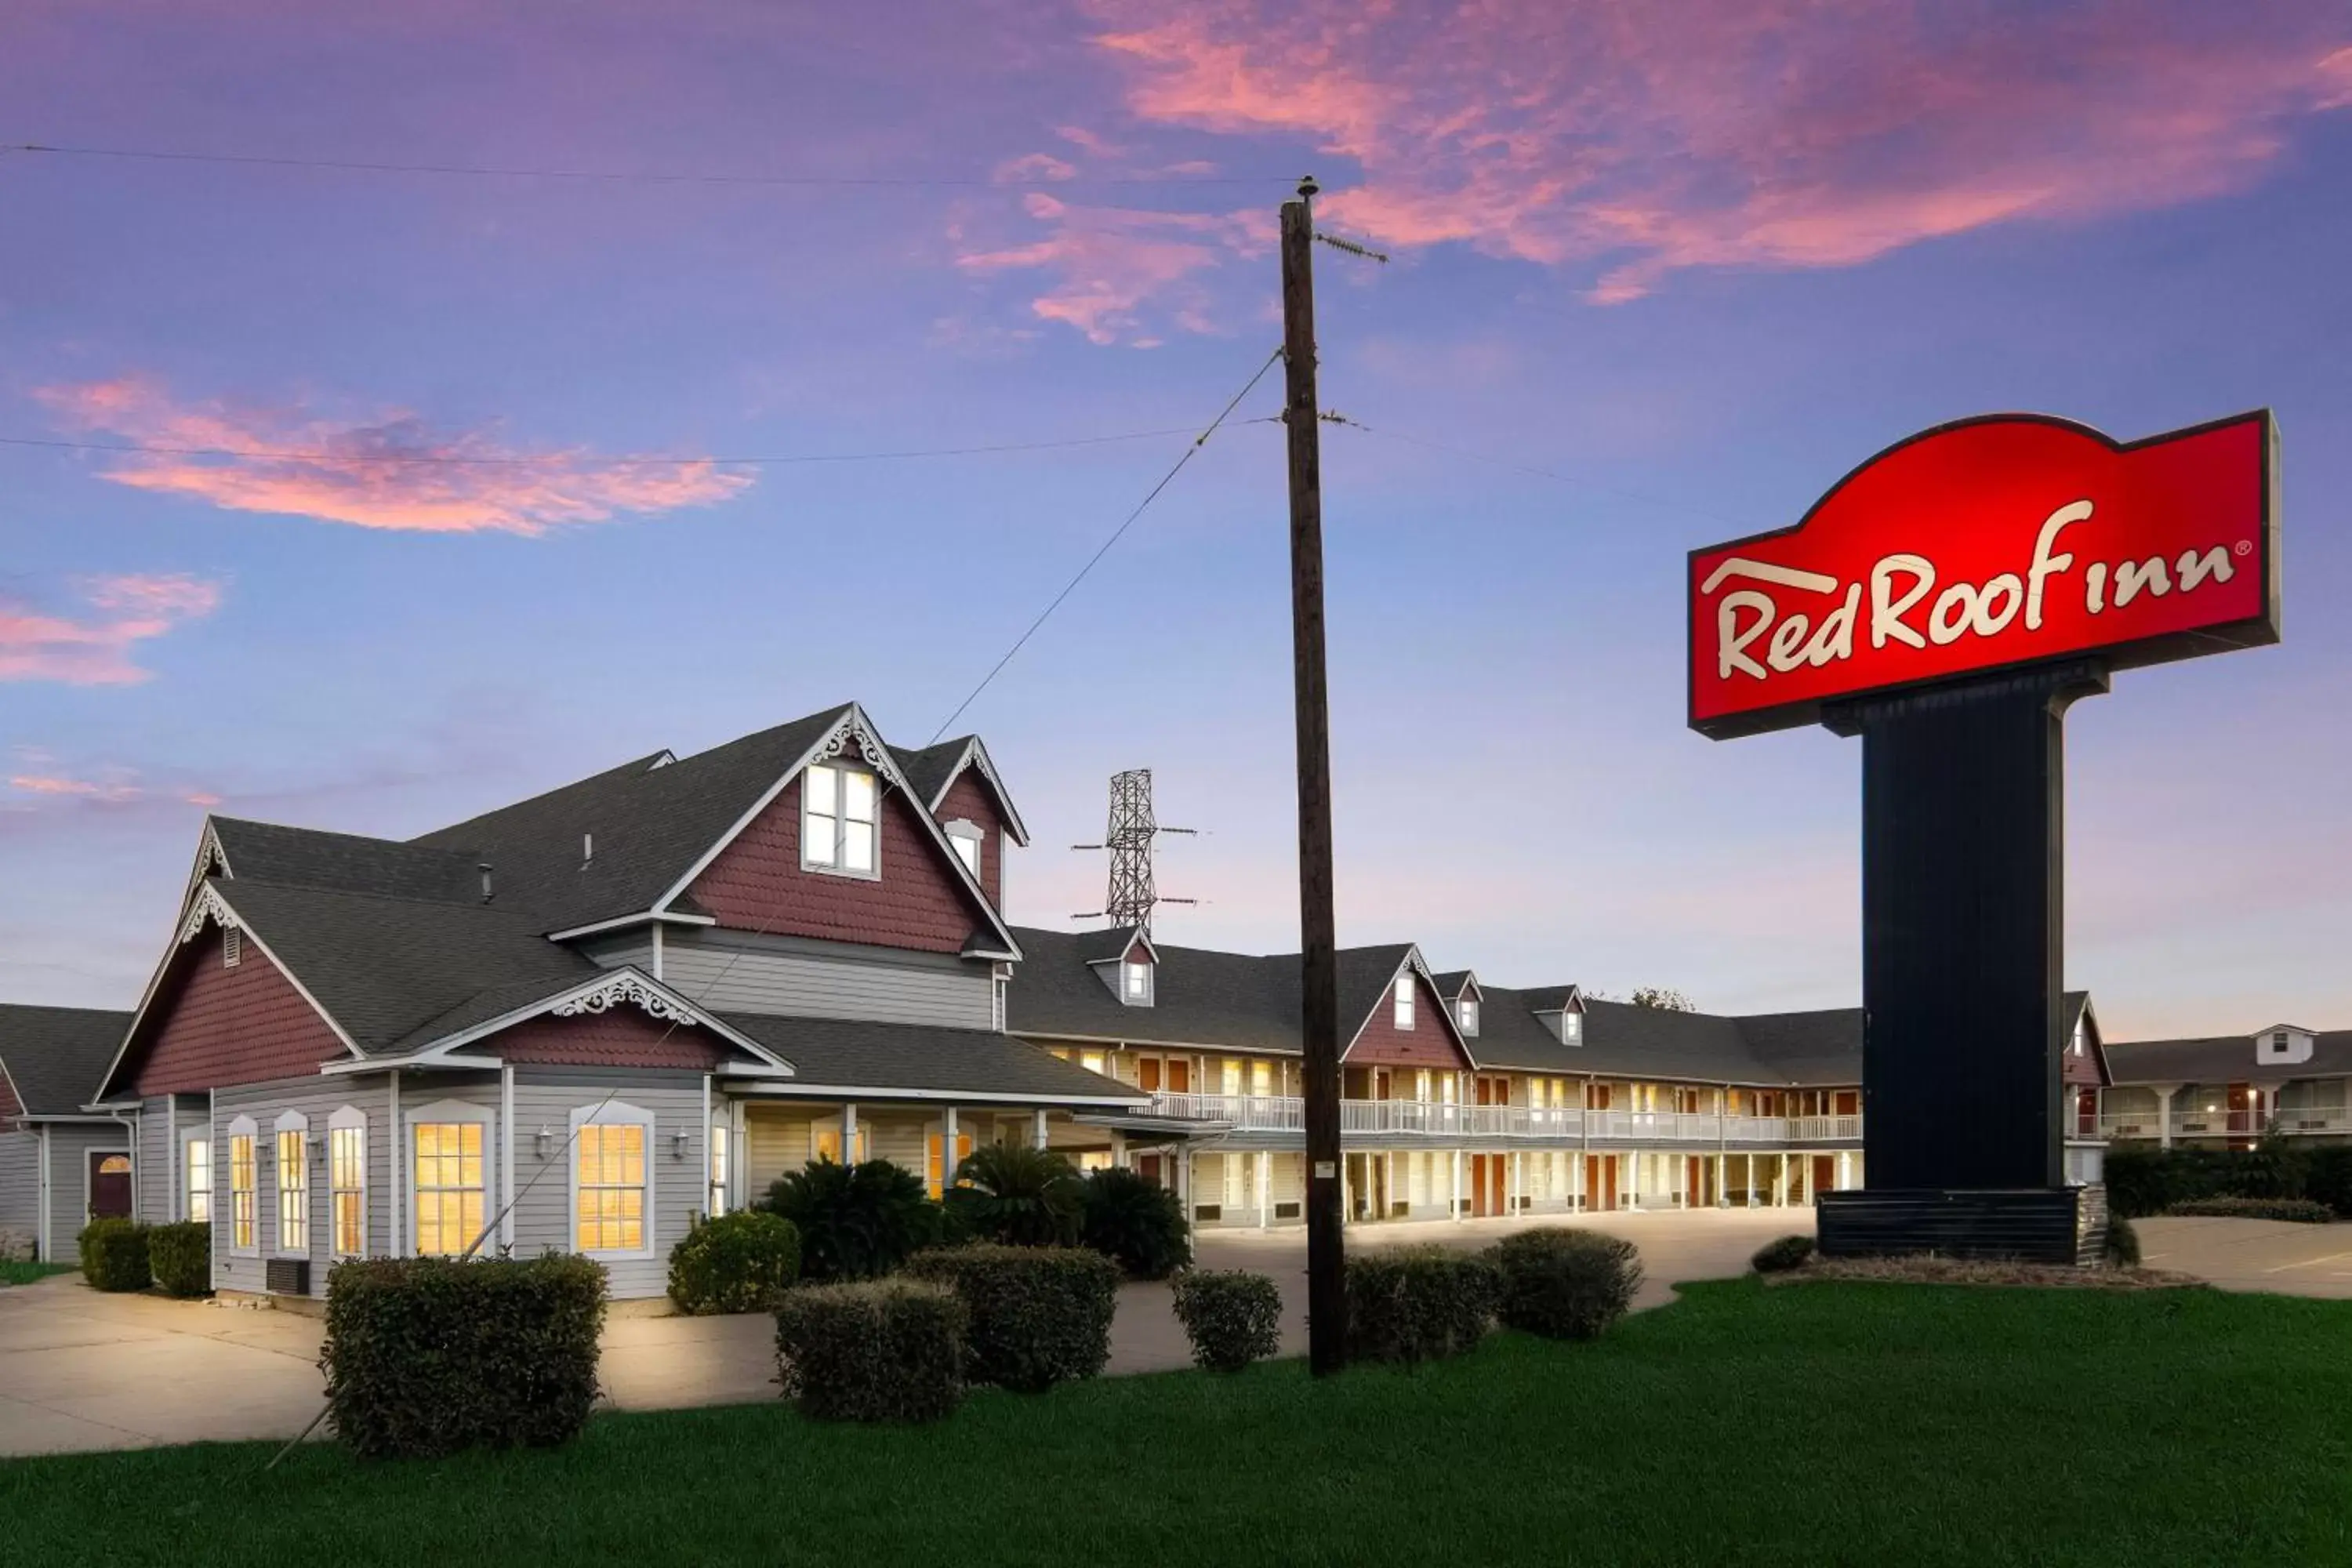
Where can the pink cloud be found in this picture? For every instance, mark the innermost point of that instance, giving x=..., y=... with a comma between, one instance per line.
x=1651, y=137
x=394, y=473
x=1108, y=261
x=86, y=789
x=97, y=651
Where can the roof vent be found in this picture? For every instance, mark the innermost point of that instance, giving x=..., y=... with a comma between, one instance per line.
x=485, y=868
x=587, y=848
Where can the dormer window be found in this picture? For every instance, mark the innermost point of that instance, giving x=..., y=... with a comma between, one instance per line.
x=1571, y=1028
x=967, y=838
x=1466, y=1011
x=1135, y=984
x=839, y=813
x=1404, y=1000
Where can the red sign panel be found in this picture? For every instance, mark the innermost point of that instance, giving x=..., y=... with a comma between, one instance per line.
x=2008, y=540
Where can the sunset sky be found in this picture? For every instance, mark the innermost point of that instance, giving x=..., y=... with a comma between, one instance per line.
x=1663, y=271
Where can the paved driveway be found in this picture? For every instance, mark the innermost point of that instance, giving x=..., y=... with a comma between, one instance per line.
x=2252, y=1254
x=80, y=1370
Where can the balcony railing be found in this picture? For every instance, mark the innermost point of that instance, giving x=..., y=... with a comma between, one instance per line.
x=1422, y=1119
x=2146, y=1124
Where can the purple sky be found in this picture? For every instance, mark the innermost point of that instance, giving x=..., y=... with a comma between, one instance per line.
x=1692, y=260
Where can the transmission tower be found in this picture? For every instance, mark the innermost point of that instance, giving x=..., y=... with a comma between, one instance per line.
x=1129, y=838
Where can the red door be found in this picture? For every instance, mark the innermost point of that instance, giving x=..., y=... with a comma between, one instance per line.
x=1600, y=1182
x=110, y=1186
x=1824, y=1173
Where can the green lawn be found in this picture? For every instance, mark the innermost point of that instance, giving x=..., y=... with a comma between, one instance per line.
x=1818, y=1423
x=14, y=1273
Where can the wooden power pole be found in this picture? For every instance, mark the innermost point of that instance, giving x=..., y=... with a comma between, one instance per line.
x=1327, y=1298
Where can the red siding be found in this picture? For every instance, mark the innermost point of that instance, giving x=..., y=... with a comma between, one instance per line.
x=971, y=799
x=230, y=1025
x=757, y=884
x=624, y=1037
x=11, y=1108
x=2082, y=1069
x=1428, y=1043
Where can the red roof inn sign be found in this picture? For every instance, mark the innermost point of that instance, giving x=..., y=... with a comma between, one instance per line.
x=1946, y=603
x=1991, y=543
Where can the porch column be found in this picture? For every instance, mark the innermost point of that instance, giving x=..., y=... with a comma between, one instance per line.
x=948, y=1148
x=1040, y=1128
x=1265, y=1188
x=1184, y=1181
x=1453, y=1197
x=848, y=1132
x=2164, y=1093
x=1118, y=1148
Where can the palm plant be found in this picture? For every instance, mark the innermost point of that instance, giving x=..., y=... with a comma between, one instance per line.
x=1017, y=1194
x=857, y=1222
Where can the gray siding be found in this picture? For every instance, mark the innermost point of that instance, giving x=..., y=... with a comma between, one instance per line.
x=623, y=948
x=152, y=1190
x=20, y=1182
x=739, y=972
x=546, y=1098
x=70, y=1145
x=317, y=1098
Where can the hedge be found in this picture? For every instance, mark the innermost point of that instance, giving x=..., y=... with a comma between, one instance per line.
x=431, y=1356
x=1780, y=1256
x=739, y=1262
x=1039, y=1315
x=1232, y=1316
x=2299, y=1211
x=114, y=1255
x=1564, y=1283
x=1418, y=1304
x=2143, y=1181
x=182, y=1257
x=885, y=1350
x=1135, y=1222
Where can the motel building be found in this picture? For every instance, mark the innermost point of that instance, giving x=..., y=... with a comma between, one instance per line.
x=584, y=1019
x=2226, y=1091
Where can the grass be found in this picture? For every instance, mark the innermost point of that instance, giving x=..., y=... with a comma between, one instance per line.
x=15, y=1273
x=1806, y=1423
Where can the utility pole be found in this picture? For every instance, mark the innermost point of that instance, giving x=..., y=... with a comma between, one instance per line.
x=1327, y=1298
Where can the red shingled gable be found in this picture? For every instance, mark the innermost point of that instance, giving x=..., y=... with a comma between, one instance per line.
x=1428, y=1043
x=224, y=1027
x=12, y=1109
x=757, y=884
x=624, y=1037
x=971, y=799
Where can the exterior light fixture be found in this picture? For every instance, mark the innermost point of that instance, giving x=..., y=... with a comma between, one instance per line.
x=546, y=1137
x=678, y=1141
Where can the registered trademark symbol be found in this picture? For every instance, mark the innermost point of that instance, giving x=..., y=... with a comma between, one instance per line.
x=2245, y=547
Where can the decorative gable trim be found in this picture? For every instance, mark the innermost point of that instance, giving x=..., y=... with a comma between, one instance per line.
x=208, y=905
x=624, y=986
x=975, y=755
x=1417, y=966
x=211, y=861
x=852, y=729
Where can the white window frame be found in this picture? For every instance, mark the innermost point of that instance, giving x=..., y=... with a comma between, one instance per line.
x=247, y=1128
x=1136, y=982
x=717, y=1149
x=190, y=1166
x=1469, y=1014
x=347, y=1119
x=612, y=1113
x=296, y=1125
x=837, y=821
x=1404, y=989
x=443, y=1111
x=969, y=841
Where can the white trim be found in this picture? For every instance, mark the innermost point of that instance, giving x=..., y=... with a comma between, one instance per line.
x=657, y=955
x=611, y=1113
x=292, y=1122
x=960, y=1095
x=622, y=923
x=45, y=1187
x=964, y=831
x=451, y=1111
x=975, y=753
x=1411, y=960
x=211, y=1194
x=430, y=1058
x=347, y=1119
x=506, y=1154
x=397, y=1166
x=595, y=994
x=843, y=772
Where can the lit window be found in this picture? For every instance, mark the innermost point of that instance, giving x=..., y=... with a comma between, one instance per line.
x=933, y=1176
x=1469, y=1014
x=347, y=1188
x=1261, y=1078
x=717, y=1202
x=966, y=840
x=200, y=1180
x=449, y=1190
x=1139, y=982
x=1404, y=1001
x=1572, y=1027
x=1094, y=1061
x=241, y=1192
x=838, y=819
x=824, y=1142
x=611, y=1216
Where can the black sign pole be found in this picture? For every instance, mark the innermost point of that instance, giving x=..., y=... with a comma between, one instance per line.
x=1963, y=969
x=1326, y=1302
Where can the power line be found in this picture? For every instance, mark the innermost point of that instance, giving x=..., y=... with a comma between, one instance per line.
x=1140, y=506
x=582, y=460
x=615, y=176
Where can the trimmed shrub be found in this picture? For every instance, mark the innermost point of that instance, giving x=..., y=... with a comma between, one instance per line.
x=1017, y=1195
x=1136, y=1223
x=2328, y=1176
x=883, y=1350
x=1232, y=1316
x=2144, y=1181
x=2121, y=1250
x=1780, y=1255
x=1563, y=1283
x=1418, y=1304
x=114, y=1255
x=182, y=1257
x=2300, y=1211
x=1039, y=1315
x=432, y=1356
x=739, y=1262
x=855, y=1221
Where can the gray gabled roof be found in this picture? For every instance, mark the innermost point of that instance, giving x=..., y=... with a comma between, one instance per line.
x=56, y=1055
x=930, y=769
x=312, y=857
x=2224, y=1058
x=856, y=1053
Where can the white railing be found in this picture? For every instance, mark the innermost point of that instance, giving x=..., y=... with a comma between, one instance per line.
x=2292, y=1121
x=1425, y=1119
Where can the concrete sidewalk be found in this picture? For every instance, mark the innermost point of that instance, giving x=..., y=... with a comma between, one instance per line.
x=84, y=1371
